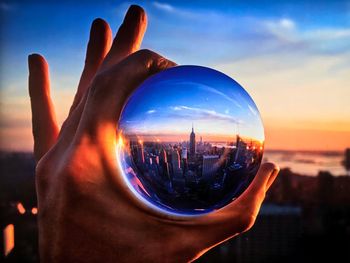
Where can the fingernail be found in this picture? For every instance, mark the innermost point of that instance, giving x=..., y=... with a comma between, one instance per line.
x=97, y=27
x=98, y=22
x=36, y=62
x=275, y=171
x=31, y=59
x=134, y=13
x=272, y=178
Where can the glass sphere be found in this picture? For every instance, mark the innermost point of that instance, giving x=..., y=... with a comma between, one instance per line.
x=190, y=140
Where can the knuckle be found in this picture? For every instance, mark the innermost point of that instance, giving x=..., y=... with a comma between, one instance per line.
x=42, y=171
x=71, y=183
x=100, y=80
x=72, y=176
x=99, y=86
x=145, y=54
x=148, y=58
x=247, y=221
x=42, y=167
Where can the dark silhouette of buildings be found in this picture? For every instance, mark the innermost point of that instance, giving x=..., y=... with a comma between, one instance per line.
x=346, y=161
x=304, y=218
x=192, y=144
x=207, y=176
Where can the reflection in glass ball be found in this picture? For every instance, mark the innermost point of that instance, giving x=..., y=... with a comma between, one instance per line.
x=190, y=140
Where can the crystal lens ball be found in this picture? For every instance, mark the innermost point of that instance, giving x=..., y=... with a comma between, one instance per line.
x=190, y=141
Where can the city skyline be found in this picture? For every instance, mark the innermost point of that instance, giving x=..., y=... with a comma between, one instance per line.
x=188, y=177
x=183, y=137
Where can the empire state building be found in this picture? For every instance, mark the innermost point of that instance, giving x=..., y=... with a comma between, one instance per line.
x=192, y=143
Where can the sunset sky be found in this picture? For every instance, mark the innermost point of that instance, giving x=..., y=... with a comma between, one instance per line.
x=293, y=58
x=184, y=97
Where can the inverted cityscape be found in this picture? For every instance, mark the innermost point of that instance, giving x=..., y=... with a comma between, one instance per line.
x=195, y=157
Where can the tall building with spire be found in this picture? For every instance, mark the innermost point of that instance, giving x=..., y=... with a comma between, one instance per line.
x=192, y=143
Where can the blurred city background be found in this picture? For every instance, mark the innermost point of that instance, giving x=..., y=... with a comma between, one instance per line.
x=291, y=56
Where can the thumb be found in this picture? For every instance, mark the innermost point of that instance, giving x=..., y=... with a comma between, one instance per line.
x=240, y=215
x=264, y=178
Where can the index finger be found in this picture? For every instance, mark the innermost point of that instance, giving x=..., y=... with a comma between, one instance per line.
x=110, y=89
x=129, y=36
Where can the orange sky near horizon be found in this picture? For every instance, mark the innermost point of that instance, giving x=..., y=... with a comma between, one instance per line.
x=182, y=137
x=306, y=139
x=277, y=138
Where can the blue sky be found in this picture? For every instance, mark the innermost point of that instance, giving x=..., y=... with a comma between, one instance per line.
x=293, y=57
x=173, y=101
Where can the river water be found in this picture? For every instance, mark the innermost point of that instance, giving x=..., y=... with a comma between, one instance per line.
x=308, y=163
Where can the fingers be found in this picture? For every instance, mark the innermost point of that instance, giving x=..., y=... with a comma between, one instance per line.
x=252, y=198
x=272, y=178
x=110, y=89
x=127, y=41
x=129, y=36
x=44, y=124
x=99, y=44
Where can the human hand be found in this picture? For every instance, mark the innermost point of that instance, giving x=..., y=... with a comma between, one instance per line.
x=86, y=212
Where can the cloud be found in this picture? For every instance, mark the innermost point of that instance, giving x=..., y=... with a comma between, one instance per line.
x=163, y=6
x=214, y=36
x=252, y=110
x=151, y=111
x=288, y=88
x=210, y=89
x=283, y=29
x=193, y=113
x=287, y=23
x=204, y=87
x=329, y=33
x=15, y=122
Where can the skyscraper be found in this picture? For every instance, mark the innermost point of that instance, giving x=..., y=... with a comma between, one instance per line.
x=210, y=166
x=176, y=163
x=192, y=143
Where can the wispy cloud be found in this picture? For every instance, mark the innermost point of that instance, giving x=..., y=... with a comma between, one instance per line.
x=207, y=89
x=193, y=113
x=164, y=6
x=223, y=95
x=224, y=39
x=151, y=111
x=329, y=33
x=253, y=111
x=283, y=29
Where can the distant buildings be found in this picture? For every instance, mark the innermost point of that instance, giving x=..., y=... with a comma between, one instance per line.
x=192, y=144
x=176, y=164
x=275, y=237
x=209, y=166
x=346, y=161
x=198, y=173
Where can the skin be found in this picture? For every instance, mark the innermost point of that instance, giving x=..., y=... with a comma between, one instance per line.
x=86, y=212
